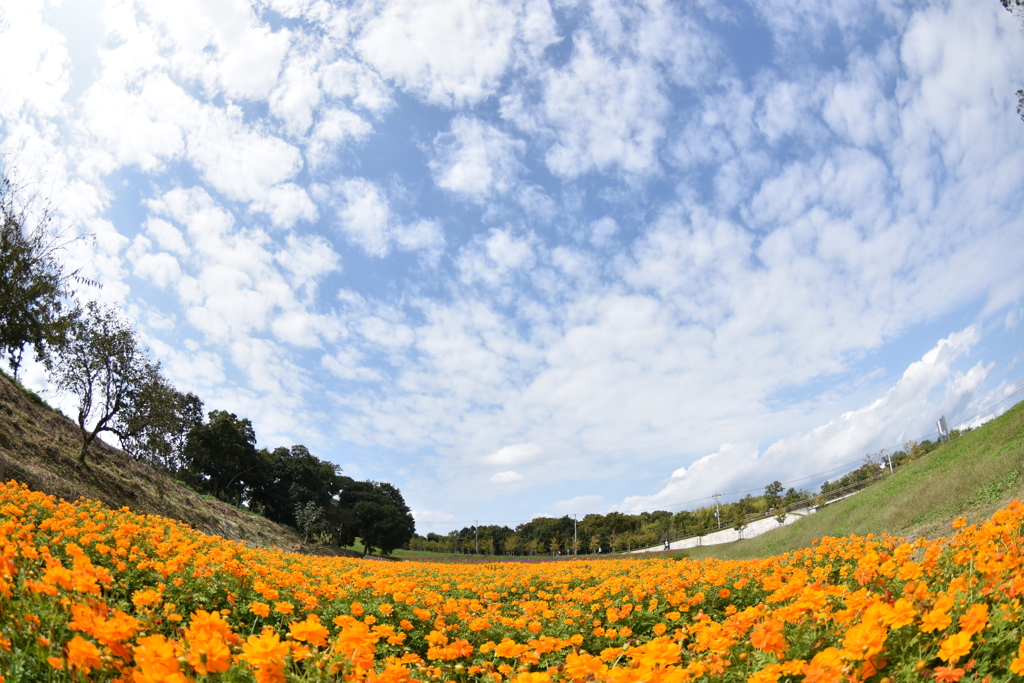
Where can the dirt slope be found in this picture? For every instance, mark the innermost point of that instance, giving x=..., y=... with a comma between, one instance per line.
x=39, y=447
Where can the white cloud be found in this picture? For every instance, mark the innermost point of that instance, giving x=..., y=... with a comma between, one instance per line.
x=222, y=45
x=603, y=231
x=601, y=114
x=506, y=477
x=233, y=287
x=425, y=235
x=366, y=219
x=364, y=216
x=142, y=123
x=431, y=517
x=348, y=364
x=516, y=454
x=788, y=107
x=297, y=94
x=162, y=269
x=247, y=166
x=494, y=258
x=349, y=78
x=35, y=63
x=166, y=235
x=857, y=108
x=334, y=128
x=476, y=159
x=307, y=258
x=453, y=52
x=903, y=412
x=579, y=504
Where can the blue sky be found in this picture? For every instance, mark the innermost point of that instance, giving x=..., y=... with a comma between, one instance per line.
x=534, y=257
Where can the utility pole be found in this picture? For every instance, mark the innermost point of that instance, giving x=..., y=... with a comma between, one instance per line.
x=575, y=542
x=476, y=535
x=718, y=515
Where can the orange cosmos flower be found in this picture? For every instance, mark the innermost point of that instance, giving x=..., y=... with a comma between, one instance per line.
x=83, y=654
x=260, y=609
x=208, y=636
x=146, y=598
x=974, y=620
x=767, y=637
x=658, y=652
x=265, y=653
x=585, y=666
x=310, y=631
x=903, y=613
x=357, y=644
x=935, y=620
x=955, y=647
x=864, y=640
x=769, y=674
x=947, y=674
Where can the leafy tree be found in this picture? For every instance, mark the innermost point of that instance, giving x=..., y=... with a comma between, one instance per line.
x=739, y=520
x=103, y=365
x=310, y=520
x=157, y=421
x=221, y=457
x=287, y=479
x=379, y=516
x=514, y=544
x=773, y=494
x=34, y=308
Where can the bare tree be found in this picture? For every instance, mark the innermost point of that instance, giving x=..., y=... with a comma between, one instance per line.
x=102, y=364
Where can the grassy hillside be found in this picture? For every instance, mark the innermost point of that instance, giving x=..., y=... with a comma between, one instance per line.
x=39, y=447
x=971, y=476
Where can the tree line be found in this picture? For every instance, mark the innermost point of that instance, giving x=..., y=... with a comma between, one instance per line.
x=607, y=533
x=92, y=353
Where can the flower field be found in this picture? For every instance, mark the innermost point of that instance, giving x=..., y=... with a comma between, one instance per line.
x=92, y=594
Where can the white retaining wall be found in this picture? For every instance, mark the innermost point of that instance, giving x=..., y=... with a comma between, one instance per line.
x=755, y=528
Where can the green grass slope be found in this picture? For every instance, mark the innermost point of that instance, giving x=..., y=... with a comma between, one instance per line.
x=972, y=476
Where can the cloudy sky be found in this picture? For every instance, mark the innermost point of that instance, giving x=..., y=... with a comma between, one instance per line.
x=545, y=257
